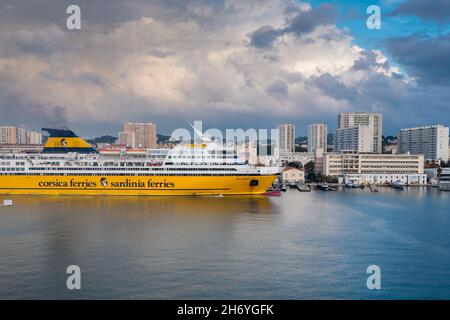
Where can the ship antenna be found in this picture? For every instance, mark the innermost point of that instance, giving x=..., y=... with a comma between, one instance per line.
x=203, y=136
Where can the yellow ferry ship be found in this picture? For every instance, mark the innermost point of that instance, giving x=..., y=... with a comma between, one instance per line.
x=70, y=165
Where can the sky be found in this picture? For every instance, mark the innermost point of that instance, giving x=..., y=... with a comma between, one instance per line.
x=230, y=63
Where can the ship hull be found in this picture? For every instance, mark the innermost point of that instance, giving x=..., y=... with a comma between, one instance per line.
x=135, y=185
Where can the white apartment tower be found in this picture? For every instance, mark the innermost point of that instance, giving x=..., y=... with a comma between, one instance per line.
x=317, y=137
x=431, y=141
x=374, y=121
x=356, y=139
x=287, y=137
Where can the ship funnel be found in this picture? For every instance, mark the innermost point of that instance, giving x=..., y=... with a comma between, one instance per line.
x=65, y=141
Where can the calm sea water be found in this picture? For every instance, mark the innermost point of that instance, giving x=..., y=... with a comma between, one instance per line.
x=297, y=246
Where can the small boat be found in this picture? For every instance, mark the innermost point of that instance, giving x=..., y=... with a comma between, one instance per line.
x=398, y=185
x=435, y=183
x=352, y=185
x=331, y=188
x=323, y=187
x=349, y=185
x=303, y=188
x=283, y=188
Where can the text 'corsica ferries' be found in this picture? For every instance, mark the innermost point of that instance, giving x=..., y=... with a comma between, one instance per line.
x=70, y=165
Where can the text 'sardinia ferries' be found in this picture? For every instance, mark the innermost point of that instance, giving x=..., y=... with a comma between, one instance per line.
x=70, y=165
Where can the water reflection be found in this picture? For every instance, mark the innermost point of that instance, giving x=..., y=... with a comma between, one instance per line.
x=143, y=205
x=291, y=246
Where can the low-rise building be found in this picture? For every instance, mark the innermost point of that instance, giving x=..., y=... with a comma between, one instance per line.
x=375, y=168
x=293, y=175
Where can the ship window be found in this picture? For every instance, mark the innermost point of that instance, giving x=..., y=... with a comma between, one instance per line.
x=254, y=183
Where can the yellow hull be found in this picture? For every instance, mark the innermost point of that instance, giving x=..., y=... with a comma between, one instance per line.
x=135, y=185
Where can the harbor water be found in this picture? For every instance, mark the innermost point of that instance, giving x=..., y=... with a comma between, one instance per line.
x=312, y=245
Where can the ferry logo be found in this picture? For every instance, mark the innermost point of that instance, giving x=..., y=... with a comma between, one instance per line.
x=63, y=142
x=104, y=182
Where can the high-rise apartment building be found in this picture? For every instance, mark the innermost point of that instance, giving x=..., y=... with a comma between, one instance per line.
x=127, y=139
x=317, y=137
x=8, y=135
x=287, y=137
x=431, y=141
x=14, y=135
x=357, y=139
x=374, y=121
x=138, y=135
x=34, y=137
x=21, y=136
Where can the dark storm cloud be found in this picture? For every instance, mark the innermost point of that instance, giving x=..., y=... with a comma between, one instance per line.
x=264, y=36
x=368, y=61
x=425, y=58
x=16, y=111
x=436, y=10
x=105, y=14
x=278, y=89
x=333, y=87
x=306, y=21
x=43, y=42
x=297, y=22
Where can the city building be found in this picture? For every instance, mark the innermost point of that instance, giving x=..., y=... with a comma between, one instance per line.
x=8, y=135
x=34, y=137
x=357, y=138
x=318, y=160
x=368, y=119
x=19, y=136
x=317, y=136
x=375, y=168
x=431, y=141
x=292, y=175
x=286, y=137
x=296, y=157
x=138, y=135
x=390, y=148
x=127, y=139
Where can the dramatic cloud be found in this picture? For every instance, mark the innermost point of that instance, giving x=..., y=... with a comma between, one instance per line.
x=231, y=63
x=436, y=10
x=425, y=58
x=299, y=20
